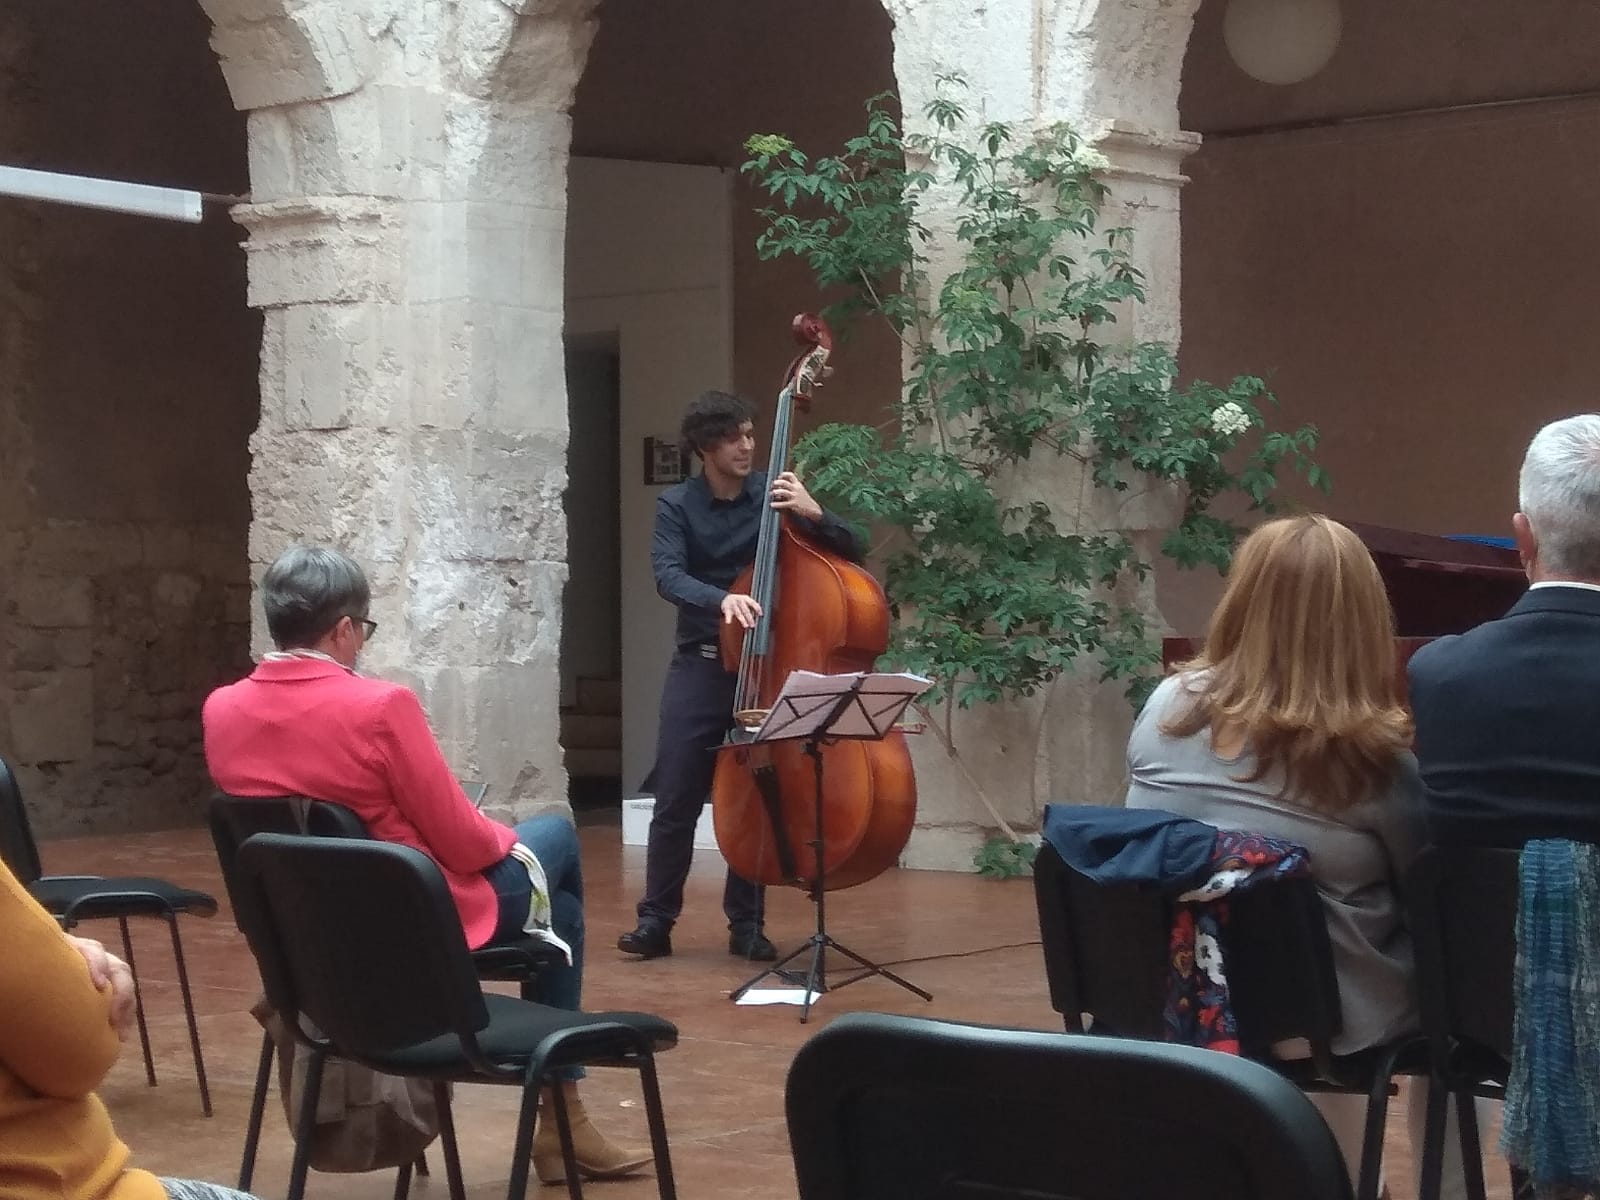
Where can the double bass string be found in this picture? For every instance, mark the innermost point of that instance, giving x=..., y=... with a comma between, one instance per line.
x=763, y=587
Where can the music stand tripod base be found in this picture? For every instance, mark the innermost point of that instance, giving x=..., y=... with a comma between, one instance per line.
x=815, y=979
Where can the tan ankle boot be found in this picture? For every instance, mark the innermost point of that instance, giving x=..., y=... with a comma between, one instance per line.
x=597, y=1157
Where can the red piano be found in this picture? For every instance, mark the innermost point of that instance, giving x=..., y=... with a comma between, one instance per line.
x=1437, y=585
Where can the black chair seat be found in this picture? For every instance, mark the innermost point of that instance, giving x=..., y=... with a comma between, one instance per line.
x=515, y=1027
x=74, y=898
x=402, y=995
x=88, y=896
x=1354, y=1072
x=519, y=960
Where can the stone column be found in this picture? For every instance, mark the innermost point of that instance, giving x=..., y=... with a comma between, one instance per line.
x=407, y=220
x=1111, y=69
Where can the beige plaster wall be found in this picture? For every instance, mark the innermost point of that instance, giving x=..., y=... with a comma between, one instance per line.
x=132, y=392
x=1422, y=288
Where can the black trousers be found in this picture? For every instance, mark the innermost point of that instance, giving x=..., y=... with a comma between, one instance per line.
x=696, y=713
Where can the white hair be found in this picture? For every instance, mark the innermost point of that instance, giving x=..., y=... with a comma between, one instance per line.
x=1559, y=492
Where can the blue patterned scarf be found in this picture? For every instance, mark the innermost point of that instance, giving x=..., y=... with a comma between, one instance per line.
x=1551, y=1127
x=1198, y=1011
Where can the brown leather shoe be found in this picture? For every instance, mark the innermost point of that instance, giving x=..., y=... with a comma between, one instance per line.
x=598, y=1158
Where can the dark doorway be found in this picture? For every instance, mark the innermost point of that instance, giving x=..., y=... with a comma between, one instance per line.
x=591, y=618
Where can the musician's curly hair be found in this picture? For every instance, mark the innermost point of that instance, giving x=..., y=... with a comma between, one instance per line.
x=713, y=417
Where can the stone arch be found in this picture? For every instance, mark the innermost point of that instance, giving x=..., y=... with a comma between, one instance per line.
x=1087, y=61
x=276, y=52
x=524, y=50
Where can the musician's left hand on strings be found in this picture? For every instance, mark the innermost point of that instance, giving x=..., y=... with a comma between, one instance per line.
x=790, y=495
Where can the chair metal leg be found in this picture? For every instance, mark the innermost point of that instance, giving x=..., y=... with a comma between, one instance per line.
x=188, y=1012
x=305, y=1126
x=402, y=1181
x=1471, y=1149
x=1433, y=1139
x=666, y=1186
x=138, y=1002
x=569, y=1156
x=258, y=1108
x=447, y=1134
x=1372, y=1139
x=422, y=1164
x=522, y=1145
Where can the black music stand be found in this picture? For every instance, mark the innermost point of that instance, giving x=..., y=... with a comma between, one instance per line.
x=816, y=709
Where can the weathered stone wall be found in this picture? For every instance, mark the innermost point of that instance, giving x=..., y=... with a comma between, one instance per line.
x=125, y=398
x=408, y=206
x=1110, y=68
x=115, y=633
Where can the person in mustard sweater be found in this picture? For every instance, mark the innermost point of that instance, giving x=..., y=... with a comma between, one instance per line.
x=65, y=1006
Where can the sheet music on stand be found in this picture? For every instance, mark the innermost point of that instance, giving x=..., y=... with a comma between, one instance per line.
x=809, y=705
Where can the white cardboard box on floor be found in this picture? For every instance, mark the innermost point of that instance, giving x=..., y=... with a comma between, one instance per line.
x=636, y=812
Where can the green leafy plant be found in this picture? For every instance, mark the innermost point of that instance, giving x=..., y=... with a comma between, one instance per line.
x=1005, y=858
x=1002, y=570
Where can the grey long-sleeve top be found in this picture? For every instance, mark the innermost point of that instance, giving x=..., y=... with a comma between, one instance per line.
x=1359, y=856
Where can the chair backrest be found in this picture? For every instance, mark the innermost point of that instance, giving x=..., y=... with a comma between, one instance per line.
x=1106, y=954
x=1105, y=948
x=360, y=936
x=234, y=818
x=902, y=1108
x=1461, y=905
x=17, y=847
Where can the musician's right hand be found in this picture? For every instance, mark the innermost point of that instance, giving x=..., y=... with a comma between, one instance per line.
x=739, y=609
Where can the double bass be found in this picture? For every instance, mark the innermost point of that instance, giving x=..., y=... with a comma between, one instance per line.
x=819, y=612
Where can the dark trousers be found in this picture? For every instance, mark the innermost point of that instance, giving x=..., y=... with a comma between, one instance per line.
x=696, y=712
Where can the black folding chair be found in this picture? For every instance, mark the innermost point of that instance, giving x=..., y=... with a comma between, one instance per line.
x=903, y=1108
x=362, y=939
x=233, y=819
x=74, y=898
x=1106, y=957
x=1461, y=905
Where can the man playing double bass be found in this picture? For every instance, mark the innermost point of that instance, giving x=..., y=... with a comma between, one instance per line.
x=705, y=535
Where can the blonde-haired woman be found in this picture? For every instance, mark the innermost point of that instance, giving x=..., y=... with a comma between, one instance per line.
x=1290, y=724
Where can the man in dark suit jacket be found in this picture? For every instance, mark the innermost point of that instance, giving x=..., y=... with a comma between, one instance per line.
x=1508, y=714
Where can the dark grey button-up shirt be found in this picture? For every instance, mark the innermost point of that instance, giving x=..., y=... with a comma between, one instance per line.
x=702, y=543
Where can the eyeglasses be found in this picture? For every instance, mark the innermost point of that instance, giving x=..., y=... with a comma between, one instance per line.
x=368, y=628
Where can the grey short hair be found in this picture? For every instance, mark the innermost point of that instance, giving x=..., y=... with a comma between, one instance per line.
x=308, y=590
x=1559, y=492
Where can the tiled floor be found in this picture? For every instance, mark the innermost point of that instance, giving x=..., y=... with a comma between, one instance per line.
x=971, y=942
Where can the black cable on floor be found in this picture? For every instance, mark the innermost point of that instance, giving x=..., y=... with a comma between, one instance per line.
x=901, y=962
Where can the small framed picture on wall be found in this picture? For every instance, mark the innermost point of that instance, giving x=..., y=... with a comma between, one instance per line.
x=665, y=461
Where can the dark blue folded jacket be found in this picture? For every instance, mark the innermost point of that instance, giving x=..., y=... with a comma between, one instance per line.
x=1131, y=845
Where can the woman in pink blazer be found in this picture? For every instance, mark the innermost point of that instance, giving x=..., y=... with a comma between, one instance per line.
x=305, y=724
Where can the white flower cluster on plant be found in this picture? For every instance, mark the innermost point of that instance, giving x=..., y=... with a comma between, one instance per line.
x=1090, y=159
x=1229, y=419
